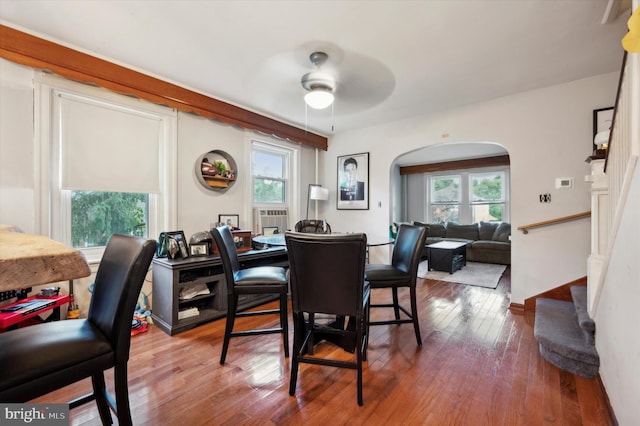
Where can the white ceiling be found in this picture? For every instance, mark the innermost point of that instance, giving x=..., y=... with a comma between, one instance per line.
x=392, y=59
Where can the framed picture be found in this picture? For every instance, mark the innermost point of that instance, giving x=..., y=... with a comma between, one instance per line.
x=199, y=249
x=172, y=250
x=602, y=119
x=269, y=230
x=353, y=182
x=232, y=220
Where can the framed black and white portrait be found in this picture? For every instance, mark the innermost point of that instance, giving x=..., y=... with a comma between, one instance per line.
x=353, y=182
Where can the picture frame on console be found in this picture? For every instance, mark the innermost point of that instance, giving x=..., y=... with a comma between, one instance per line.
x=165, y=245
x=353, y=182
x=200, y=249
x=232, y=220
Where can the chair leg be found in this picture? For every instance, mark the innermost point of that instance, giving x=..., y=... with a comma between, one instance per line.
x=122, y=394
x=284, y=323
x=232, y=302
x=396, y=309
x=365, y=326
x=298, y=333
x=359, y=359
x=414, y=315
x=100, y=394
x=308, y=327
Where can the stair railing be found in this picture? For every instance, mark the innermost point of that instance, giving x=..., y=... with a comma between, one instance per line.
x=525, y=228
x=611, y=178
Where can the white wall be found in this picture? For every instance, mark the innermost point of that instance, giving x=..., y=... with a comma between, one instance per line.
x=547, y=133
x=16, y=146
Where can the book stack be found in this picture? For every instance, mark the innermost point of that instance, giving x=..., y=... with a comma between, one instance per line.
x=188, y=313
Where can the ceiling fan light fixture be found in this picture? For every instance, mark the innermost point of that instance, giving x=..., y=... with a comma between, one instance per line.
x=319, y=98
x=319, y=85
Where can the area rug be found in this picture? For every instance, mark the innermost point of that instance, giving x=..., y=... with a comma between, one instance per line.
x=479, y=274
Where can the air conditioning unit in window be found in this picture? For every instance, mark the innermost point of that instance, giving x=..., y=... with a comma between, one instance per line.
x=270, y=218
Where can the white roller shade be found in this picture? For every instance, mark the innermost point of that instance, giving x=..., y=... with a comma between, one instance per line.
x=107, y=147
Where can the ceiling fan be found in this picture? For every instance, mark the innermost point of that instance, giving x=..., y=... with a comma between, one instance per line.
x=320, y=86
x=354, y=81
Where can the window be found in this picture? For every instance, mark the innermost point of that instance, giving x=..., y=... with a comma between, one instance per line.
x=487, y=196
x=107, y=165
x=468, y=196
x=270, y=167
x=95, y=216
x=445, y=199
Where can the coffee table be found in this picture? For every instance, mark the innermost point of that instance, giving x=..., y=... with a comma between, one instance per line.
x=447, y=256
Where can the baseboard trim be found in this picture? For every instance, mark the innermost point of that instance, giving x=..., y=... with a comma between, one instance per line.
x=562, y=292
x=516, y=308
x=612, y=414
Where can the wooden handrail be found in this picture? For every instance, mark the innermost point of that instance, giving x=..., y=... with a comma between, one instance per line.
x=525, y=228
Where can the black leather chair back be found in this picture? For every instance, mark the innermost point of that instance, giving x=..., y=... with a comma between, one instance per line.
x=228, y=253
x=326, y=272
x=117, y=286
x=313, y=226
x=408, y=249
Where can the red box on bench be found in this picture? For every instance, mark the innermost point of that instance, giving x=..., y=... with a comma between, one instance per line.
x=29, y=308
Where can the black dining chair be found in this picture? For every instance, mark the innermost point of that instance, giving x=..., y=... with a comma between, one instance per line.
x=41, y=358
x=313, y=226
x=254, y=280
x=327, y=277
x=402, y=272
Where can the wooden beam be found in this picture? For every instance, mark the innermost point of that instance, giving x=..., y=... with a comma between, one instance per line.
x=500, y=160
x=35, y=52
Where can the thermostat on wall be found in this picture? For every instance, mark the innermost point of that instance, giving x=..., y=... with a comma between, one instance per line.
x=564, y=182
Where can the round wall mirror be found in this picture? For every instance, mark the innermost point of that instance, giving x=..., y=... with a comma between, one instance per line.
x=216, y=170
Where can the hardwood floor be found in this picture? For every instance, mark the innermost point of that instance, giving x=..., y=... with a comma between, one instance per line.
x=479, y=365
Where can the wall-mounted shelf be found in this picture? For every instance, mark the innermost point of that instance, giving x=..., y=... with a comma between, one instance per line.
x=216, y=170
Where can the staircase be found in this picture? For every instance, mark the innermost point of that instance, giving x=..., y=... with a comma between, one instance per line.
x=566, y=334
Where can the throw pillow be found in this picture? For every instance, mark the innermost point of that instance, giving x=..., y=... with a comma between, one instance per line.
x=503, y=231
x=437, y=230
x=487, y=229
x=465, y=232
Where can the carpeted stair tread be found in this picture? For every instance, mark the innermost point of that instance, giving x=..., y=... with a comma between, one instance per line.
x=579, y=294
x=561, y=338
x=578, y=368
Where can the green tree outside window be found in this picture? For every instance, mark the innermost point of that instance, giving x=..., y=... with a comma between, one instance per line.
x=95, y=216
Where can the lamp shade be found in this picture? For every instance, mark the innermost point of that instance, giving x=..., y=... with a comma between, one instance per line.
x=602, y=139
x=319, y=98
x=318, y=193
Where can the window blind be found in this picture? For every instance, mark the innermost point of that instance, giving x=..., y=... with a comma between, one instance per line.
x=107, y=147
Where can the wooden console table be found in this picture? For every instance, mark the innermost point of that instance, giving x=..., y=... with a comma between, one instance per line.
x=189, y=292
